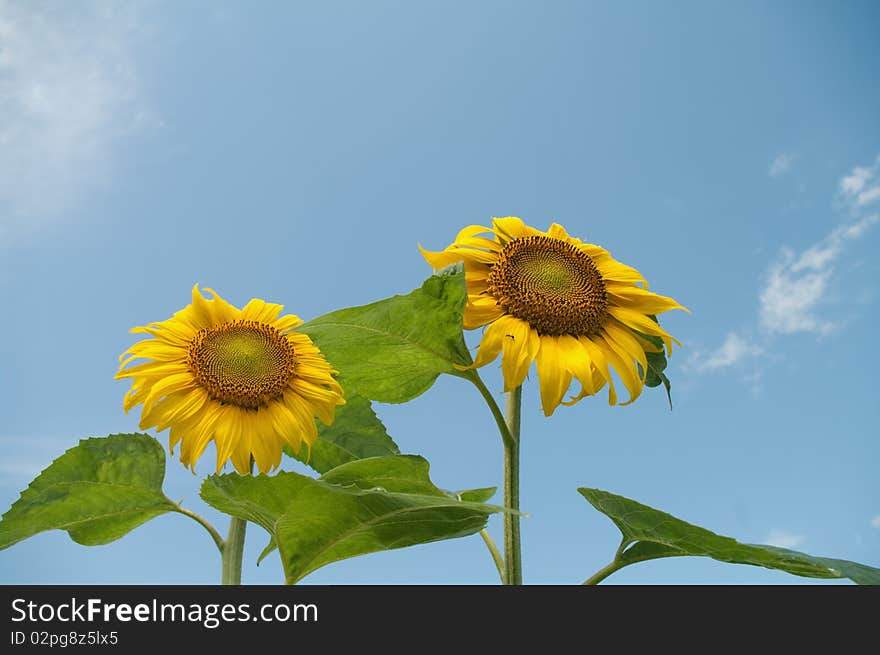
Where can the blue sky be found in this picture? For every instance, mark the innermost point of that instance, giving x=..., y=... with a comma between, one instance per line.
x=299, y=152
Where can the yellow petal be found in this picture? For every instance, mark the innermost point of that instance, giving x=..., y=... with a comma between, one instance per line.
x=305, y=428
x=558, y=232
x=287, y=322
x=490, y=344
x=597, y=355
x=469, y=231
x=637, y=321
x=480, y=313
x=322, y=401
x=170, y=337
x=624, y=366
x=442, y=259
x=475, y=274
x=512, y=227
x=198, y=434
x=228, y=434
x=627, y=342
x=520, y=346
x=180, y=407
x=646, y=302
x=261, y=311
x=478, y=242
x=241, y=458
x=552, y=375
x=577, y=360
x=207, y=313
x=152, y=369
x=164, y=387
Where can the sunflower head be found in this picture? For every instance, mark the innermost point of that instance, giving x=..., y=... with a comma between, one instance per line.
x=241, y=378
x=567, y=305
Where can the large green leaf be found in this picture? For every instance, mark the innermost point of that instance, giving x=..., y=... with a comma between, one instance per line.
x=393, y=350
x=97, y=491
x=356, y=433
x=654, y=534
x=361, y=507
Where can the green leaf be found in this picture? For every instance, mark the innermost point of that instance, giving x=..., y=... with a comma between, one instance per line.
x=480, y=495
x=393, y=350
x=361, y=507
x=656, y=364
x=407, y=474
x=97, y=491
x=356, y=433
x=654, y=534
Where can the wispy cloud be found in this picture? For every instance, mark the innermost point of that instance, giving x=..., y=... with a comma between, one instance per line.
x=781, y=164
x=784, y=539
x=798, y=283
x=69, y=91
x=875, y=521
x=735, y=350
x=861, y=186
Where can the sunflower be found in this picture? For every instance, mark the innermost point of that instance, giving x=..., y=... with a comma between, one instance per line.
x=238, y=377
x=553, y=299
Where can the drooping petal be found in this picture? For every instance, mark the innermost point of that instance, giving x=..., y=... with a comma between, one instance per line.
x=576, y=359
x=520, y=347
x=646, y=302
x=565, y=303
x=553, y=377
x=643, y=324
x=597, y=355
x=628, y=344
x=624, y=365
x=490, y=345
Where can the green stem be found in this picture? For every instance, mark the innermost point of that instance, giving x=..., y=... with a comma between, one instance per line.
x=496, y=554
x=603, y=573
x=616, y=564
x=512, y=547
x=500, y=421
x=210, y=528
x=508, y=426
x=233, y=551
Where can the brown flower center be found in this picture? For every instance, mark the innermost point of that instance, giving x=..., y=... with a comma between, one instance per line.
x=551, y=284
x=244, y=363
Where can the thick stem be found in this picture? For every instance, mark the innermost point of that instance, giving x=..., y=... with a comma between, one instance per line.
x=512, y=548
x=506, y=426
x=233, y=551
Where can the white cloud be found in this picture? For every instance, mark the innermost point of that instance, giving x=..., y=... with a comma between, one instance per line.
x=69, y=92
x=868, y=196
x=862, y=186
x=797, y=290
x=784, y=539
x=734, y=350
x=854, y=182
x=781, y=164
x=798, y=284
x=875, y=521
